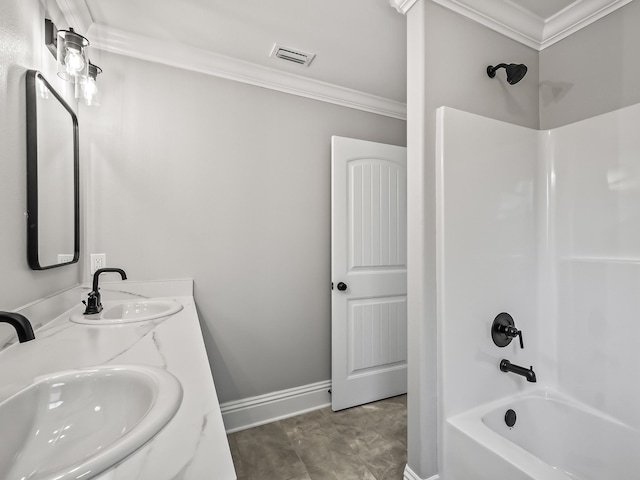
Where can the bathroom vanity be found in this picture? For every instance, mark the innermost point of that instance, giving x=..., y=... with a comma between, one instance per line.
x=193, y=444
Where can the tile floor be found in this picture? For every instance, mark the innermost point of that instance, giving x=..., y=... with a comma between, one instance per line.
x=362, y=443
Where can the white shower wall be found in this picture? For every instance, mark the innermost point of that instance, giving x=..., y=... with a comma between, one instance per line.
x=486, y=248
x=544, y=225
x=596, y=166
x=487, y=226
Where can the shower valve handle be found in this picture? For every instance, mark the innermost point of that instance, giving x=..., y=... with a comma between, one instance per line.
x=520, y=337
x=512, y=332
x=503, y=330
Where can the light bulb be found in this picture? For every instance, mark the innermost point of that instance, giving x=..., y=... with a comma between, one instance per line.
x=74, y=62
x=90, y=90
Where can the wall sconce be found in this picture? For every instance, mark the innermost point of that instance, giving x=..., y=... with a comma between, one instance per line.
x=70, y=50
x=72, y=58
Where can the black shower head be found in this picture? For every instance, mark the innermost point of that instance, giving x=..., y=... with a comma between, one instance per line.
x=515, y=72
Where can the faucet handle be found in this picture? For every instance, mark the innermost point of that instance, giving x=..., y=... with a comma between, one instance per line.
x=512, y=332
x=503, y=330
x=93, y=303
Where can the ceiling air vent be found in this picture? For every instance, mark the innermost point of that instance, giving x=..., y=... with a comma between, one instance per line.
x=292, y=55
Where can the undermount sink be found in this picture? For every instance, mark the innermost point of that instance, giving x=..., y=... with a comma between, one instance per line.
x=78, y=423
x=115, y=312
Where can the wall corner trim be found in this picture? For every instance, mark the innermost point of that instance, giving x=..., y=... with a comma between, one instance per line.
x=402, y=6
x=210, y=63
x=410, y=475
x=254, y=411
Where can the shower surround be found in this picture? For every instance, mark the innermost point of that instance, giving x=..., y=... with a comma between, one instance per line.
x=544, y=225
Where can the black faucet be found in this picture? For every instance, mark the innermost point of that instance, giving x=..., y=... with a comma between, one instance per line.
x=20, y=323
x=94, y=302
x=528, y=373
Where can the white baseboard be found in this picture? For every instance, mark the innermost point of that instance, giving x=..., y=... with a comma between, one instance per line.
x=410, y=475
x=251, y=412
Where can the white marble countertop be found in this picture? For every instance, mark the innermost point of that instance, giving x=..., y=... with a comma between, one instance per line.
x=193, y=445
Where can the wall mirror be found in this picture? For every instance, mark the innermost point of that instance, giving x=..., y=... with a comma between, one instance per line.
x=53, y=199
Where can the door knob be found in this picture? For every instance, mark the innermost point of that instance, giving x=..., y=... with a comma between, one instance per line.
x=342, y=286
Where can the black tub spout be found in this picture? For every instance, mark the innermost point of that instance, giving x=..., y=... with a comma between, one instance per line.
x=528, y=373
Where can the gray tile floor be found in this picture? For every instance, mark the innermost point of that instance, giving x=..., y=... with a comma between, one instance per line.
x=362, y=443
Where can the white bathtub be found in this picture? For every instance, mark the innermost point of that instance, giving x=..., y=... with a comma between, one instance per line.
x=554, y=438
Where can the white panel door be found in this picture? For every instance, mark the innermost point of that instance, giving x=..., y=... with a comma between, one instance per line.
x=369, y=271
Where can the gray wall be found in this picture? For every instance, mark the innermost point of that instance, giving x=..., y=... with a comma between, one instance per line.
x=594, y=71
x=457, y=53
x=448, y=56
x=21, y=48
x=196, y=176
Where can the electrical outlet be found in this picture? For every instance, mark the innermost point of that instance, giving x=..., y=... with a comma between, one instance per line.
x=65, y=257
x=98, y=261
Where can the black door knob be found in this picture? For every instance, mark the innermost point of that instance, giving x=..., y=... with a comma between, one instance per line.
x=342, y=286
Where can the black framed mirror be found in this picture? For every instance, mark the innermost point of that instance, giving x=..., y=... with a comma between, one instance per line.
x=53, y=198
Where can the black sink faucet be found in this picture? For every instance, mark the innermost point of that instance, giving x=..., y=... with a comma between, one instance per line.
x=528, y=373
x=20, y=323
x=94, y=303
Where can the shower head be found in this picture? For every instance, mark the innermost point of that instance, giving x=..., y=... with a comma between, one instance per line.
x=515, y=72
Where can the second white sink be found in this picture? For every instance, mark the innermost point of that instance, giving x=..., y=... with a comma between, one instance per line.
x=115, y=312
x=78, y=423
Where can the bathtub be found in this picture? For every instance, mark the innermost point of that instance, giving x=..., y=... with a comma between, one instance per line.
x=553, y=438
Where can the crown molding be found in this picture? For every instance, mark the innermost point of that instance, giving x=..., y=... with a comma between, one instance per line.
x=402, y=6
x=77, y=14
x=502, y=17
x=517, y=23
x=576, y=16
x=207, y=62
